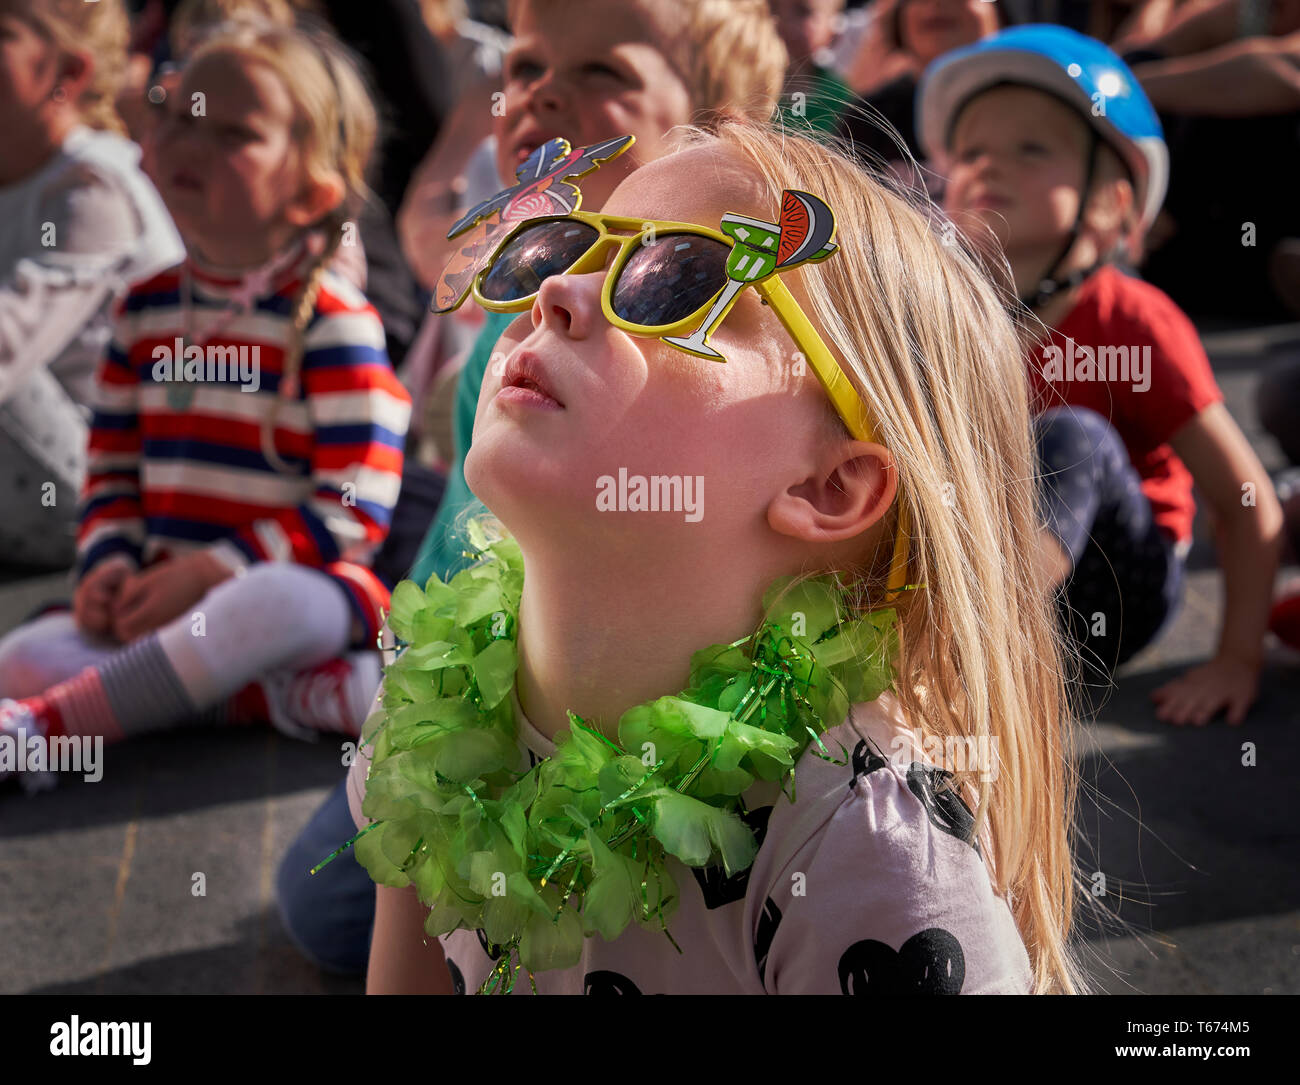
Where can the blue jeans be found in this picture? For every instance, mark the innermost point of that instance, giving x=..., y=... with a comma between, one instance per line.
x=329, y=915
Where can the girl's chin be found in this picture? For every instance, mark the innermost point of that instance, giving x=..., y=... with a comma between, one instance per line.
x=995, y=221
x=185, y=209
x=192, y=220
x=504, y=475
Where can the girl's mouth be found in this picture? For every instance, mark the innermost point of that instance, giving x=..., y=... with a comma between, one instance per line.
x=525, y=383
x=527, y=140
x=185, y=181
x=991, y=201
x=528, y=396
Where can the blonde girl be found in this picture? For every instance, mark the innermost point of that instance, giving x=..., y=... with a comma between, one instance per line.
x=247, y=452
x=894, y=871
x=79, y=223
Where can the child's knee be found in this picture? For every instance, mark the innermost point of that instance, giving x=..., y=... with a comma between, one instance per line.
x=34, y=657
x=1072, y=424
x=20, y=675
x=1068, y=436
x=301, y=607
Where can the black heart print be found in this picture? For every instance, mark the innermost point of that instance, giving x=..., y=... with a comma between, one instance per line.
x=945, y=808
x=929, y=963
x=608, y=983
x=457, y=978
x=767, y=924
x=717, y=888
x=865, y=759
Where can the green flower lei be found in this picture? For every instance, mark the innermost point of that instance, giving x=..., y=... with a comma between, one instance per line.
x=578, y=844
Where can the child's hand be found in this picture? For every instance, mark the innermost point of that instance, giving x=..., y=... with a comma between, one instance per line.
x=156, y=596
x=1195, y=697
x=95, y=600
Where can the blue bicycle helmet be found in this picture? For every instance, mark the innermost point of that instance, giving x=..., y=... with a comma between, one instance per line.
x=1079, y=71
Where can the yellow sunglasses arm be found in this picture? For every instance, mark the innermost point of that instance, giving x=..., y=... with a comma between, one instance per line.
x=843, y=396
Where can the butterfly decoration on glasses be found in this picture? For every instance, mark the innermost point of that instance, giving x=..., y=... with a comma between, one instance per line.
x=542, y=188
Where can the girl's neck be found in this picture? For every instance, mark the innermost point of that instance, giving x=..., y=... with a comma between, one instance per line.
x=1057, y=307
x=1032, y=265
x=598, y=639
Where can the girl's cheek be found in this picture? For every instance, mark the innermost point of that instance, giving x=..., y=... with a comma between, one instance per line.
x=253, y=182
x=954, y=196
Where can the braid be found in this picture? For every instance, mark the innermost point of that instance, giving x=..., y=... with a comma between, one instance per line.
x=304, y=306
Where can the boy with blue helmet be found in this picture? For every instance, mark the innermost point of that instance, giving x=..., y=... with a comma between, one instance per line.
x=1049, y=144
x=1084, y=76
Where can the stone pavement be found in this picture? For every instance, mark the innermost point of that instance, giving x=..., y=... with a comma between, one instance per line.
x=1201, y=855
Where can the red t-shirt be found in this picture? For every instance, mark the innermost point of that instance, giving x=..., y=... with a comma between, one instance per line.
x=1129, y=353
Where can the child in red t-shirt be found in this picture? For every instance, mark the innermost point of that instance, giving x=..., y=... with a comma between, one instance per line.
x=1050, y=144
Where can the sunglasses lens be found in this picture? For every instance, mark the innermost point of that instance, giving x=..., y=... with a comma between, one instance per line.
x=535, y=254
x=669, y=279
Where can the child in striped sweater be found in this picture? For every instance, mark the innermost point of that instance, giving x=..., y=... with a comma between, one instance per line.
x=246, y=453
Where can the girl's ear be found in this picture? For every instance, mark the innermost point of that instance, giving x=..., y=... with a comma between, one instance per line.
x=320, y=195
x=851, y=488
x=1111, y=207
x=75, y=70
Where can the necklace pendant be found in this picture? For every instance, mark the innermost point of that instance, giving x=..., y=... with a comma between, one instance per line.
x=180, y=395
x=180, y=392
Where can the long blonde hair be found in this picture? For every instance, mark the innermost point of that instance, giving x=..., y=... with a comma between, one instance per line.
x=336, y=127
x=928, y=340
x=101, y=29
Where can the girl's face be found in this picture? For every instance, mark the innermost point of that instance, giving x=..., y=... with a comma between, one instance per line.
x=29, y=71
x=226, y=160
x=1017, y=162
x=28, y=66
x=930, y=28
x=588, y=77
x=806, y=26
x=625, y=402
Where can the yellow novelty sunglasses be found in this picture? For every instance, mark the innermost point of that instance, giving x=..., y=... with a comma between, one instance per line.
x=669, y=277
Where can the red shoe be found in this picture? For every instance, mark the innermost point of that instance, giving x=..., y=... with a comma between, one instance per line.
x=333, y=697
x=18, y=724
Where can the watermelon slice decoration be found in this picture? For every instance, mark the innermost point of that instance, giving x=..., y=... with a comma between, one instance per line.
x=806, y=228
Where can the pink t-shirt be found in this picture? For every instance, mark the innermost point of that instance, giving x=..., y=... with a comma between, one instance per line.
x=862, y=886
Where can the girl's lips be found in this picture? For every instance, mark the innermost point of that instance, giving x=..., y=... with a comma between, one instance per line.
x=527, y=397
x=989, y=200
x=525, y=142
x=525, y=382
x=185, y=181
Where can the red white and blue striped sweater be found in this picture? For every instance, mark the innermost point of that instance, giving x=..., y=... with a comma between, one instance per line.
x=165, y=477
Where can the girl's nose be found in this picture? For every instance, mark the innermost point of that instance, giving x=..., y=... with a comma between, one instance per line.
x=985, y=164
x=569, y=305
x=545, y=94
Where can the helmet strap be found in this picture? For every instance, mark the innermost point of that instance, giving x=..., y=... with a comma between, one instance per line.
x=1051, y=283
